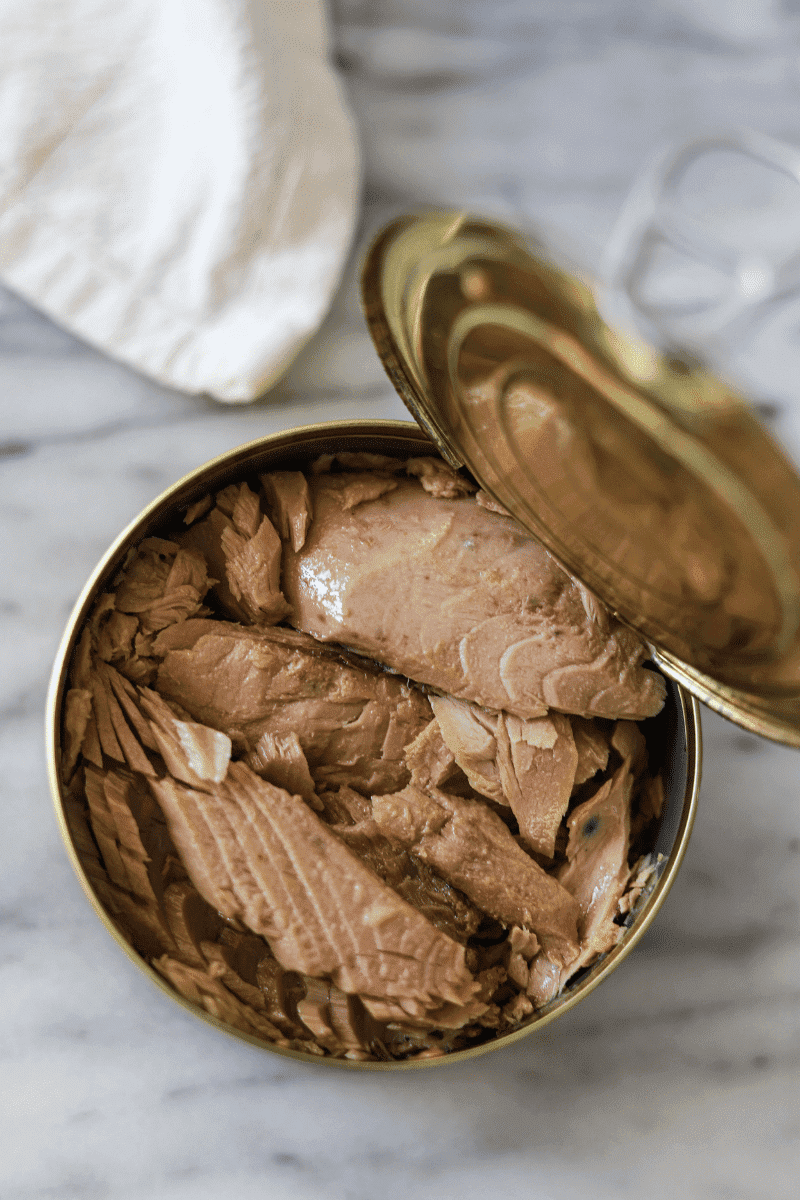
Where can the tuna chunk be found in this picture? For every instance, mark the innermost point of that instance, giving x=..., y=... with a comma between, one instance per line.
x=527, y=765
x=596, y=874
x=77, y=714
x=210, y=993
x=243, y=553
x=438, y=478
x=262, y=856
x=159, y=586
x=289, y=505
x=350, y=816
x=429, y=759
x=192, y=752
x=135, y=851
x=191, y=921
x=629, y=742
x=468, y=844
x=352, y=723
x=494, y=619
x=592, y=749
x=597, y=859
x=112, y=798
x=469, y=733
x=279, y=759
x=537, y=761
x=339, y=1022
x=120, y=734
x=162, y=584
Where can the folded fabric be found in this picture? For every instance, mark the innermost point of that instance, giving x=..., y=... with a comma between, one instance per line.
x=178, y=180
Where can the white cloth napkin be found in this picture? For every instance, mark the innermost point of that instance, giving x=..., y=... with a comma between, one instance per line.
x=178, y=180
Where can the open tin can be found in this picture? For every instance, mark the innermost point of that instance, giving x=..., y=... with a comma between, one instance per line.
x=507, y=366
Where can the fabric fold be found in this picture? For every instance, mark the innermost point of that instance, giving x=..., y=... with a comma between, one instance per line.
x=178, y=180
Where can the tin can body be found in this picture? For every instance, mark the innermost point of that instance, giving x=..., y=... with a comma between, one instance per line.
x=674, y=738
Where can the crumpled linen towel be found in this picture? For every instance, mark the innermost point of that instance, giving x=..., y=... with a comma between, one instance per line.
x=178, y=180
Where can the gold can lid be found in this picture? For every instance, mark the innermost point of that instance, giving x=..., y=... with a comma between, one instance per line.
x=649, y=479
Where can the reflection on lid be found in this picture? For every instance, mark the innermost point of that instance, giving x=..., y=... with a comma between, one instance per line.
x=641, y=515
x=648, y=478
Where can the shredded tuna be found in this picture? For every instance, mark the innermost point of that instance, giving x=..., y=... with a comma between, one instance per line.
x=339, y=1021
x=81, y=665
x=138, y=923
x=597, y=869
x=537, y=761
x=262, y=856
x=349, y=491
x=253, y=569
x=77, y=814
x=128, y=700
x=356, y=882
x=473, y=850
x=90, y=747
x=117, y=856
x=159, y=585
x=544, y=981
x=144, y=577
x=518, y=1008
x=281, y=991
x=186, y=635
x=314, y=1011
x=105, y=726
x=115, y=639
x=651, y=802
x=641, y=876
x=119, y=738
x=628, y=741
x=220, y=966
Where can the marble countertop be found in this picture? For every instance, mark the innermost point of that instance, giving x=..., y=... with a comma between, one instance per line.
x=676, y=1077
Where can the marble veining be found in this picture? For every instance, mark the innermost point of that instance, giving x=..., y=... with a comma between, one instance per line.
x=679, y=1076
